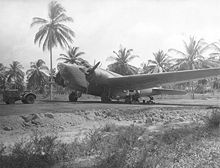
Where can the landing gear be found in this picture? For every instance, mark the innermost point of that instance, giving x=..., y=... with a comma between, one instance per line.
x=105, y=100
x=74, y=95
x=128, y=99
x=151, y=101
x=105, y=97
x=132, y=98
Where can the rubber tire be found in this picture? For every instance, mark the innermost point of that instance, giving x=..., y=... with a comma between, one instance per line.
x=29, y=99
x=73, y=97
x=105, y=100
x=128, y=100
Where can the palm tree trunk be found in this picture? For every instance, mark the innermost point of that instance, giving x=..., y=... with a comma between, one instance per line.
x=51, y=75
x=192, y=87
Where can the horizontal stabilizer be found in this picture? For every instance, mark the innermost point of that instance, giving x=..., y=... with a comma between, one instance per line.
x=168, y=92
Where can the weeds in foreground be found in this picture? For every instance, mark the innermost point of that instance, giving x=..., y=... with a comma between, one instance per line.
x=213, y=121
x=112, y=147
x=35, y=152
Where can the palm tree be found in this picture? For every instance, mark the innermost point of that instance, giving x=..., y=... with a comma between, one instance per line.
x=37, y=76
x=122, y=58
x=53, y=31
x=73, y=56
x=15, y=75
x=193, y=56
x=161, y=63
x=3, y=76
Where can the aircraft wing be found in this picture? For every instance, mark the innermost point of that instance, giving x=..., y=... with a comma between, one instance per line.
x=145, y=81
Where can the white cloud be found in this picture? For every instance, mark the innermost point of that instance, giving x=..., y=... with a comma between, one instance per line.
x=102, y=25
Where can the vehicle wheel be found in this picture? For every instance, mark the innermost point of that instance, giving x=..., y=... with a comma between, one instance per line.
x=29, y=99
x=73, y=97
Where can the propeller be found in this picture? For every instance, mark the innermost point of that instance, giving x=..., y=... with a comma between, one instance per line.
x=90, y=71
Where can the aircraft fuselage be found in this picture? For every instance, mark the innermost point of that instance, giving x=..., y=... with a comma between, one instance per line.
x=94, y=81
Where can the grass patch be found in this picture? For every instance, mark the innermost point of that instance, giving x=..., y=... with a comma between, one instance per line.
x=117, y=147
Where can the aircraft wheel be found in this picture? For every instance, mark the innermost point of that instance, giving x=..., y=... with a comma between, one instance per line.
x=128, y=100
x=73, y=97
x=105, y=100
x=150, y=102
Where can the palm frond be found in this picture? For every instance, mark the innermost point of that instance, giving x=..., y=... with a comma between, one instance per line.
x=64, y=55
x=55, y=9
x=177, y=52
x=40, y=35
x=43, y=67
x=46, y=44
x=132, y=57
x=79, y=54
x=65, y=59
x=66, y=29
x=111, y=58
x=65, y=35
x=62, y=40
x=63, y=18
x=38, y=21
x=116, y=53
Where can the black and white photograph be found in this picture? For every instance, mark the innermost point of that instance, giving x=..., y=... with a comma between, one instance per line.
x=110, y=84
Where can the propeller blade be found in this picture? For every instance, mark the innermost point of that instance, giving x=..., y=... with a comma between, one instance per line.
x=90, y=71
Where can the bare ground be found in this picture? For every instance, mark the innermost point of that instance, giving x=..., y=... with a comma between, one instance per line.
x=69, y=121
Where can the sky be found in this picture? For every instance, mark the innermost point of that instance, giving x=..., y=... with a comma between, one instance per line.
x=101, y=26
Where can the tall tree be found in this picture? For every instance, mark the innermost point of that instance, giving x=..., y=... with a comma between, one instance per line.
x=72, y=56
x=193, y=57
x=3, y=76
x=53, y=31
x=15, y=75
x=161, y=63
x=37, y=76
x=121, y=62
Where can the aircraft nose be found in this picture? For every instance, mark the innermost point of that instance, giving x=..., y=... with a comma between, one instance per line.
x=73, y=76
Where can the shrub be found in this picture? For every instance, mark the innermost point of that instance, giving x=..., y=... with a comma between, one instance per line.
x=213, y=120
x=32, y=153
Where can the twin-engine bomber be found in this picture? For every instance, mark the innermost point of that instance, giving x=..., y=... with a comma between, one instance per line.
x=109, y=85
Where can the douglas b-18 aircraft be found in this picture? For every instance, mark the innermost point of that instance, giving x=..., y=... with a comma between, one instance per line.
x=109, y=85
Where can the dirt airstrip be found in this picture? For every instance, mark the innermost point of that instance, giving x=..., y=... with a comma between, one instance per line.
x=178, y=125
x=73, y=120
